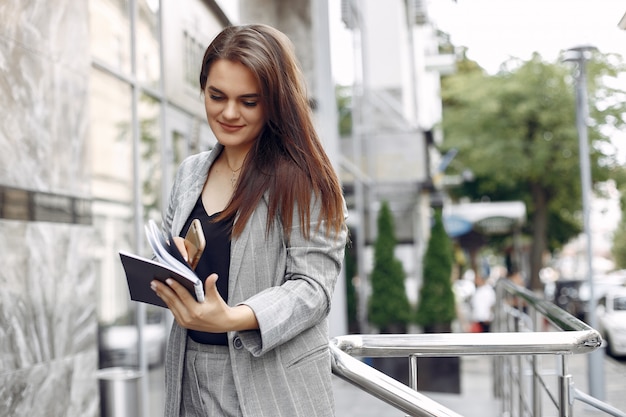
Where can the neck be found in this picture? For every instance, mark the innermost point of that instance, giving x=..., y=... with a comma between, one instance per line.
x=234, y=159
x=232, y=167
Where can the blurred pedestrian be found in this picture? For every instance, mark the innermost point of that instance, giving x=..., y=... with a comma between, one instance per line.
x=516, y=278
x=483, y=303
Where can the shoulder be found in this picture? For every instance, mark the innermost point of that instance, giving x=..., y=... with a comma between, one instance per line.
x=199, y=162
x=195, y=160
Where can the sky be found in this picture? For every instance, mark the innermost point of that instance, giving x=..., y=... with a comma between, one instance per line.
x=494, y=30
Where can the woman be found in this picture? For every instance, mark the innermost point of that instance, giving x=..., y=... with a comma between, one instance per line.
x=274, y=220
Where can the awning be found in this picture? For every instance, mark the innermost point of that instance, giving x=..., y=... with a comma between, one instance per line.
x=494, y=218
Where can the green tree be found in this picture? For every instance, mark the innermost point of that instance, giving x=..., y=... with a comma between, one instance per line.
x=343, y=95
x=389, y=307
x=516, y=131
x=618, y=249
x=436, y=307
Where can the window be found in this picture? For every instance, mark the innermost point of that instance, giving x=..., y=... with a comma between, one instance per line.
x=194, y=51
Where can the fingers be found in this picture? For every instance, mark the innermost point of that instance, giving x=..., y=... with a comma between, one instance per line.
x=180, y=245
x=177, y=298
x=164, y=292
x=173, y=290
x=171, y=295
x=209, y=316
x=210, y=288
x=181, y=292
x=211, y=280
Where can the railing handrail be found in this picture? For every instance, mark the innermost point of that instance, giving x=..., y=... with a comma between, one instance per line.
x=575, y=337
x=560, y=318
x=384, y=387
x=466, y=344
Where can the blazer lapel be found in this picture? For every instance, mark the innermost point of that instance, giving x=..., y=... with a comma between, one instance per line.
x=192, y=186
x=237, y=249
x=256, y=224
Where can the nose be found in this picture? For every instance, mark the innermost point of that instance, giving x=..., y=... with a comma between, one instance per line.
x=231, y=110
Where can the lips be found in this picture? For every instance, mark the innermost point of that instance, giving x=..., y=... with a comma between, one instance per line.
x=230, y=128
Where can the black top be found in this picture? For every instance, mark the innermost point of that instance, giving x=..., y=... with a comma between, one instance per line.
x=214, y=259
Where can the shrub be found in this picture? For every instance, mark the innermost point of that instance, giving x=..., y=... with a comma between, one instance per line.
x=436, y=305
x=389, y=307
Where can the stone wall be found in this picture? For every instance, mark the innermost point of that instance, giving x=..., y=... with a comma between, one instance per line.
x=48, y=323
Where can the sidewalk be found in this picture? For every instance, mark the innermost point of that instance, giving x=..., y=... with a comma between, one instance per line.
x=476, y=398
x=614, y=384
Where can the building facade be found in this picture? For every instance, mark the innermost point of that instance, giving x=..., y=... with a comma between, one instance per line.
x=100, y=104
x=396, y=107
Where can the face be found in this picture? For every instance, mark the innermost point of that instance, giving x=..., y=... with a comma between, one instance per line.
x=233, y=105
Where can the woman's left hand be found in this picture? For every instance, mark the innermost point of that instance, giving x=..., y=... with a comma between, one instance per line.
x=213, y=315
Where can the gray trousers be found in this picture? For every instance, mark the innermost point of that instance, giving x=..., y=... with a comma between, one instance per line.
x=208, y=388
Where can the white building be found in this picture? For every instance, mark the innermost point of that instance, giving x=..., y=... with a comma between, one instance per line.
x=396, y=110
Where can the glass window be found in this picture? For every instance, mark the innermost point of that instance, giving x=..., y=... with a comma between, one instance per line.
x=148, y=50
x=110, y=33
x=620, y=304
x=194, y=51
x=150, y=148
x=111, y=154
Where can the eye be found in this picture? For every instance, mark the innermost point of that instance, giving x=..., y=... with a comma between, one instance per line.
x=250, y=103
x=216, y=97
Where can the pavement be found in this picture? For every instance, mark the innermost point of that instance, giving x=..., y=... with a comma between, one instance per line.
x=475, y=400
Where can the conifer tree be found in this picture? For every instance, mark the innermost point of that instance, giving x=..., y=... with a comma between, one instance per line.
x=389, y=307
x=436, y=306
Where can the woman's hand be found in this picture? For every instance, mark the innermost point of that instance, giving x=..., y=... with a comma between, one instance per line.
x=212, y=315
x=181, y=245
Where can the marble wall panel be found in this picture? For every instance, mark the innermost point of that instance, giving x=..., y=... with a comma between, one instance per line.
x=48, y=321
x=44, y=62
x=47, y=293
x=48, y=324
x=63, y=388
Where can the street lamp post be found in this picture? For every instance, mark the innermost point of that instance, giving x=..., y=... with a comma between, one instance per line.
x=580, y=55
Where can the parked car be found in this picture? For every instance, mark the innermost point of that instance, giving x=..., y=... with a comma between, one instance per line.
x=566, y=295
x=611, y=314
x=602, y=284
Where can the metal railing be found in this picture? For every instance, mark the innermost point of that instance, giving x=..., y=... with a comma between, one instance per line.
x=515, y=345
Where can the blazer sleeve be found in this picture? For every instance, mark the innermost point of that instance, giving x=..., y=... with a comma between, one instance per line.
x=303, y=299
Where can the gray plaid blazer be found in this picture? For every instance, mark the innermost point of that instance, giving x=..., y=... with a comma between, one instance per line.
x=284, y=368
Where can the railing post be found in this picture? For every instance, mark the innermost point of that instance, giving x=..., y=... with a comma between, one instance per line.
x=566, y=397
x=509, y=377
x=520, y=374
x=537, y=323
x=413, y=372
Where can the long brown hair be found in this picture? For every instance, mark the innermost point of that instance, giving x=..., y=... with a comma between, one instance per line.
x=287, y=159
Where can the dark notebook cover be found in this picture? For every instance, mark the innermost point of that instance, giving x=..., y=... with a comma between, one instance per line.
x=141, y=271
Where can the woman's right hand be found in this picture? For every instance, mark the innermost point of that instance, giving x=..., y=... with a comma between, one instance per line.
x=213, y=315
